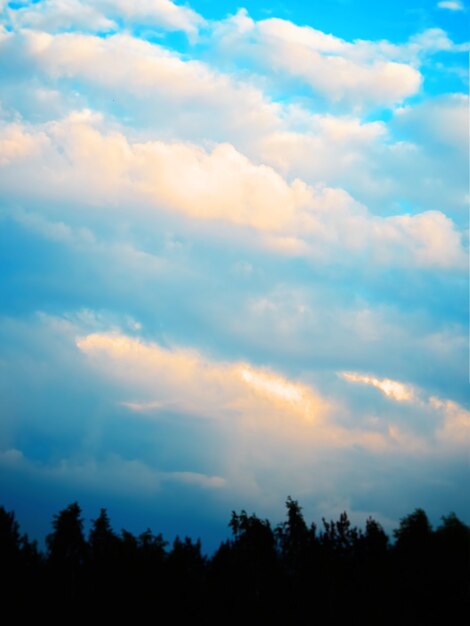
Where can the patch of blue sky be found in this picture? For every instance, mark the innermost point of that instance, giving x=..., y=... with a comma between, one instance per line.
x=446, y=73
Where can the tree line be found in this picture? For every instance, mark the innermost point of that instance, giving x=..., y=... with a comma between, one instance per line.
x=293, y=572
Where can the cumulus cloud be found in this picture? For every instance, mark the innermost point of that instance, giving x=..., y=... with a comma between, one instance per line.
x=73, y=155
x=102, y=15
x=16, y=144
x=177, y=99
x=419, y=156
x=158, y=88
x=353, y=72
x=163, y=13
x=56, y=15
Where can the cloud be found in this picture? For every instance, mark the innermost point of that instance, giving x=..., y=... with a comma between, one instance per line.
x=391, y=388
x=211, y=389
x=453, y=421
x=378, y=162
x=451, y=5
x=226, y=433
x=165, y=96
x=257, y=400
x=16, y=144
x=56, y=15
x=357, y=73
x=163, y=13
x=114, y=474
x=442, y=120
x=155, y=87
x=104, y=15
x=455, y=429
x=66, y=157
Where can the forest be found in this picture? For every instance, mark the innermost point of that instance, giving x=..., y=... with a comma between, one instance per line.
x=293, y=573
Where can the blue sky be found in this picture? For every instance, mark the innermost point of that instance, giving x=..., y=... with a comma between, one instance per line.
x=234, y=260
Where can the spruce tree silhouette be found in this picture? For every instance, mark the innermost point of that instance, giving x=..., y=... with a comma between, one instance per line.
x=293, y=575
x=104, y=563
x=414, y=568
x=10, y=538
x=103, y=542
x=66, y=545
x=67, y=551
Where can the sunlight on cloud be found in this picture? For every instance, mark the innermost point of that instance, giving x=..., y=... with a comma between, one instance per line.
x=256, y=400
x=451, y=421
x=76, y=156
x=272, y=385
x=391, y=388
x=16, y=143
x=456, y=424
x=211, y=389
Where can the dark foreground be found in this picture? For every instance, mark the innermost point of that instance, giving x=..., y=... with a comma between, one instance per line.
x=293, y=573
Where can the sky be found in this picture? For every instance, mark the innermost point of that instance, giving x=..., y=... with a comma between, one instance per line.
x=233, y=261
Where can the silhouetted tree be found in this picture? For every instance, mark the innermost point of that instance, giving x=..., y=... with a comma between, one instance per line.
x=66, y=544
x=67, y=551
x=20, y=564
x=102, y=540
x=10, y=538
x=451, y=555
x=105, y=562
x=186, y=568
x=414, y=568
x=294, y=574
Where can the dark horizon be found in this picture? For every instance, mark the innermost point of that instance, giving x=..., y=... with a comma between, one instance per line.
x=333, y=570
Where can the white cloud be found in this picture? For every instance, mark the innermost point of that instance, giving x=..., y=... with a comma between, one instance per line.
x=162, y=13
x=358, y=73
x=17, y=144
x=419, y=156
x=104, y=169
x=74, y=156
x=104, y=15
x=54, y=15
x=451, y=5
x=175, y=99
x=157, y=87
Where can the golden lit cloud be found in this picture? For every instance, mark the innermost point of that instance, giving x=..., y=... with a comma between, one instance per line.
x=184, y=380
x=391, y=388
x=75, y=157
